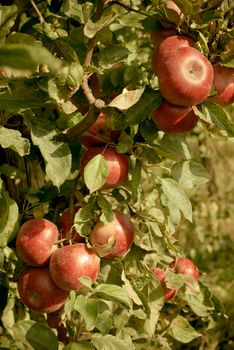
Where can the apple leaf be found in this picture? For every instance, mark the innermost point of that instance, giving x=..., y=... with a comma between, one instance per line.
x=88, y=308
x=73, y=10
x=9, y=213
x=35, y=335
x=114, y=292
x=109, y=342
x=112, y=54
x=125, y=143
x=136, y=178
x=177, y=197
x=186, y=6
x=57, y=155
x=181, y=330
x=81, y=345
x=189, y=173
x=95, y=173
x=28, y=57
x=7, y=19
x=91, y=28
x=106, y=206
x=13, y=139
x=71, y=75
x=127, y=99
x=175, y=146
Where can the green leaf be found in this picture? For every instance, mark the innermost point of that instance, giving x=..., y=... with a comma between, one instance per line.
x=106, y=206
x=70, y=75
x=91, y=28
x=95, y=173
x=113, y=292
x=112, y=54
x=181, y=330
x=109, y=342
x=189, y=173
x=177, y=197
x=136, y=178
x=73, y=10
x=9, y=214
x=88, y=308
x=35, y=335
x=149, y=100
x=7, y=19
x=28, y=57
x=127, y=99
x=81, y=345
x=125, y=143
x=176, y=147
x=216, y=117
x=57, y=155
x=13, y=139
x=186, y=6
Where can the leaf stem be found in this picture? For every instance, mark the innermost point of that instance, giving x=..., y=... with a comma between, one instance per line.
x=41, y=18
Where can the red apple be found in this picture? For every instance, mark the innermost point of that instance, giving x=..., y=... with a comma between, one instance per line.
x=66, y=223
x=99, y=133
x=122, y=231
x=38, y=291
x=117, y=165
x=186, y=266
x=69, y=263
x=174, y=119
x=224, y=85
x=36, y=241
x=160, y=275
x=185, y=76
x=158, y=36
x=168, y=45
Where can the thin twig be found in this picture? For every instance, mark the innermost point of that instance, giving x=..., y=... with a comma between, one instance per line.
x=41, y=18
x=115, y=2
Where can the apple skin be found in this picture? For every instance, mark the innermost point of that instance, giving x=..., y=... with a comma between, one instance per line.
x=98, y=134
x=158, y=36
x=174, y=119
x=160, y=275
x=185, y=77
x=168, y=45
x=117, y=165
x=186, y=266
x=38, y=291
x=224, y=85
x=121, y=228
x=36, y=241
x=67, y=228
x=69, y=263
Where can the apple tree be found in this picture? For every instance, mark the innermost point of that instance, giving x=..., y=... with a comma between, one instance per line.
x=101, y=102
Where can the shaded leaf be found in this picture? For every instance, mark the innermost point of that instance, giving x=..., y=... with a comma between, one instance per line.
x=189, y=173
x=91, y=28
x=81, y=345
x=109, y=342
x=181, y=330
x=7, y=19
x=13, y=139
x=88, y=308
x=113, y=292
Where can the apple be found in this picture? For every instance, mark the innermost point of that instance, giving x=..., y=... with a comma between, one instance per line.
x=224, y=85
x=120, y=229
x=99, y=133
x=168, y=45
x=160, y=275
x=174, y=119
x=36, y=241
x=185, y=76
x=69, y=263
x=38, y=291
x=158, y=36
x=117, y=165
x=66, y=224
x=186, y=266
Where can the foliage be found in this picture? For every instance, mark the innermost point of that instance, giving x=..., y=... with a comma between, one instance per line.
x=50, y=53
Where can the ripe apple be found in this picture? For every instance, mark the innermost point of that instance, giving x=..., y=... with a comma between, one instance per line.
x=174, y=119
x=160, y=275
x=224, y=85
x=67, y=227
x=36, y=241
x=99, y=133
x=38, y=291
x=122, y=231
x=117, y=165
x=185, y=76
x=69, y=263
x=186, y=266
x=168, y=45
x=158, y=36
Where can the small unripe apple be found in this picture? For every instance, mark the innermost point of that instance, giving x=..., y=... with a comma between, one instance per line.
x=69, y=263
x=186, y=266
x=185, y=76
x=174, y=119
x=67, y=227
x=117, y=165
x=38, y=291
x=36, y=241
x=98, y=134
x=224, y=85
x=160, y=275
x=120, y=229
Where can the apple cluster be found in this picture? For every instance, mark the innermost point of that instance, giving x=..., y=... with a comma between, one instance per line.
x=185, y=78
x=181, y=266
